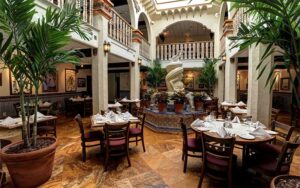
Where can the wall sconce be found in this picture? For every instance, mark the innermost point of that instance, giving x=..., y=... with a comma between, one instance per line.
x=139, y=61
x=224, y=58
x=106, y=47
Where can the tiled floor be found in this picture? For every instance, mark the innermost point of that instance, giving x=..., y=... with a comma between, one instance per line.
x=159, y=166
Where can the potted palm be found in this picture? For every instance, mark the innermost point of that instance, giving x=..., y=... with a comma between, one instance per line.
x=34, y=50
x=198, y=100
x=275, y=24
x=162, y=99
x=208, y=75
x=179, y=100
x=155, y=75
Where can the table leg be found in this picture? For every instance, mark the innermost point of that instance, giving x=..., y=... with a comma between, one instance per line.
x=245, y=155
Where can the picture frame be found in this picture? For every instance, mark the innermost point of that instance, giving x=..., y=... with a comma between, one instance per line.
x=70, y=80
x=188, y=82
x=14, y=87
x=81, y=82
x=50, y=83
x=285, y=84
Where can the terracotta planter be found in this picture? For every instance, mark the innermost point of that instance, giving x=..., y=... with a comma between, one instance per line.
x=179, y=108
x=30, y=169
x=198, y=105
x=162, y=107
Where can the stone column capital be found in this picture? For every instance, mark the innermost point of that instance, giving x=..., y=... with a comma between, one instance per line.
x=137, y=36
x=103, y=8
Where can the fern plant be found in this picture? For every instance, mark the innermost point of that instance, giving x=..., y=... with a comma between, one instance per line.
x=208, y=75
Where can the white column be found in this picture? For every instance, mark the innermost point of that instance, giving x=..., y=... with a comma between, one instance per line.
x=230, y=79
x=259, y=95
x=220, y=85
x=135, y=73
x=100, y=67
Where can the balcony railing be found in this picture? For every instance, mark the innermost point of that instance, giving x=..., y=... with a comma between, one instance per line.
x=120, y=30
x=85, y=6
x=191, y=50
x=145, y=49
x=238, y=18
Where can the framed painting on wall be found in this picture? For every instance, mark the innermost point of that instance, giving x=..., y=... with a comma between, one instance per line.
x=285, y=84
x=188, y=82
x=70, y=80
x=81, y=82
x=50, y=83
x=14, y=87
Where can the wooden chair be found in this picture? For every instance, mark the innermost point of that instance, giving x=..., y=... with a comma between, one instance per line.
x=87, y=107
x=138, y=131
x=295, y=116
x=47, y=128
x=190, y=146
x=86, y=137
x=116, y=141
x=274, y=114
x=17, y=108
x=276, y=165
x=212, y=106
x=3, y=143
x=218, y=158
x=53, y=109
x=284, y=134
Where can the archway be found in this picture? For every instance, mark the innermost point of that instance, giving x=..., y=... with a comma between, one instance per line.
x=125, y=9
x=144, y=26
x=185, y=31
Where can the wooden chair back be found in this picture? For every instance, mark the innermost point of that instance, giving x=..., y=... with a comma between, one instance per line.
x=184, y=133
x=287, y=153
x=275, y=113
x=80, y=125
x=284, y=131
x=116, y=132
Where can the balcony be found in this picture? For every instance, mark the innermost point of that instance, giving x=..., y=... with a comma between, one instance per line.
x=238, y=18
x=120, y=30
x=145, y=49
x=191, y=50
x=86, y=7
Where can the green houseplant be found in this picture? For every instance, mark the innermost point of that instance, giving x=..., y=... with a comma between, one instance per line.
x=34, y=50
x=179, y=100
x=274, y=23
x=156, y=74
x=208, y=75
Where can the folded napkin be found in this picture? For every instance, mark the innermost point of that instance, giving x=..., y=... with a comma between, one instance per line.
x=260, y=132
x=9, y=121
x=46, y=103
x=208, y=98
x=98, y=117
x=259, y=124
x=118, y=104
x=236, y=119
x=124, y=99
x=236, y=108
x=221, y=131
x=117, y=119
x=225, y=103
x=209, y=118
x=198, y=123
x=241, y=103
x=127, y=115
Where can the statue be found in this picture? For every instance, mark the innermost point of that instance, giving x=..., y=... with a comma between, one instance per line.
x=190, y=98
x=175, y=74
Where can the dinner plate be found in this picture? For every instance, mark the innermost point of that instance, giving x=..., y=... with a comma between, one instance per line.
x=202, y=129
x=247, y=136
x=271, y=132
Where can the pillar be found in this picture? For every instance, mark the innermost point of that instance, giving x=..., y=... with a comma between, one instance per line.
x=134, y=66
x=259, y=95
x=230, y=79
x=99, y=58
x=221, y=82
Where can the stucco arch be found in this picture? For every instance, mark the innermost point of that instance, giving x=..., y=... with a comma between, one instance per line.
x=132, y=12
x=147, y=21
x=223, y=9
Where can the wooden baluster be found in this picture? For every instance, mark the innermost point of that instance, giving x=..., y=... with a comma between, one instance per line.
x=166, y=51
x=169, y=51
x=115, y=25
x=202, y=50
x=173, y=50
x=197, y=51
x=206, y=50
x=194, y=50
x=211, y=49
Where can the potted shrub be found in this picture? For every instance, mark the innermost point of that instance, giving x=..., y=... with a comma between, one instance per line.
x=155, y=74
x=162, y=101
x=198, y=100
x=208, y=75
x=30, y=161
x=179, y=100
x=147, y=99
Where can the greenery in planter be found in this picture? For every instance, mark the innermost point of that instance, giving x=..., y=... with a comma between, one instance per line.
x=36, y=47
x=179, y=97
x=274, y=23
x=162, y=97
x=156, y=74
x=199, y=96
x=208, y=75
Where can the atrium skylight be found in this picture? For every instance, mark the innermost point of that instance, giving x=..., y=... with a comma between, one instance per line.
x=168, y=4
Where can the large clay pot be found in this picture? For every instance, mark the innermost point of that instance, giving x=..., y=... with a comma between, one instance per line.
x=198, y=105
x=30, y=169
x=162, y=107
x=179, y=107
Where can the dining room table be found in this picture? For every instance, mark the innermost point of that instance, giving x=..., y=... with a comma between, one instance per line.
x=244, y=133
x=130, y=103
